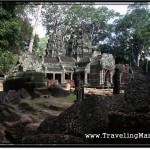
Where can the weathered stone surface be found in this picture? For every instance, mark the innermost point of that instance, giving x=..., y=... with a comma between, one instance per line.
x=114, y=103
x=24, y=120
x=25, y=107
x=7, y=113
x=30, y=129
x=15, y=133
x=23, y=93
x=57, y=91
x=78, y=119
x=12, y=95
x=52, y=139
x=3, y=139
x=129, y=123
x=137, y=95
x=2, y=96
x=26, y=80
x=57, y=108
x=36, y=94
x=30, y=62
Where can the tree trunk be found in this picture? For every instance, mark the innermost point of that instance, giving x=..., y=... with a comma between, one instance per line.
x=138, y=60
x=34, y=28
x=137, y=56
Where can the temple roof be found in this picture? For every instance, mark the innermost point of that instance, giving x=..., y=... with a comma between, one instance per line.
x=64, y=58
x=84, y=60
x=51, y=60
x=106, y=61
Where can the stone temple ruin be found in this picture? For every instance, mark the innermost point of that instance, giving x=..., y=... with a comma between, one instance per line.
x=96, y=69
x=120, y=113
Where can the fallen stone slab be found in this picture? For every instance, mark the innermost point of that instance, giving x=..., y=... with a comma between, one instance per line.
x=2, y=96
x=23, y=93
x=7, y=113
x=57, y=91
x=26, y=107
x=3, y=139
x=137, y=95
x=15, y=133
x=78, y=119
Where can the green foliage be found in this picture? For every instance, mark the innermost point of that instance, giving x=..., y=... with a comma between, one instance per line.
x=61, y=20
x=6, y=60
x=8, y=26
x=15, y=32
x=132, y=33
x=71, y=97
x=39, y=45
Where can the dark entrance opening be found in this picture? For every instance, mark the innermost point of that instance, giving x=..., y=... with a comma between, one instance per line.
x=82, y=75
x=88, y=78
x=49, y=76
x=107, y=77
x=58, y=77
x=1, y=76
x=67, y=76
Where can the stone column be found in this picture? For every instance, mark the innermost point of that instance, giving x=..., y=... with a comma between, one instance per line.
x=61, y=77
x=102, y=78
x=53, y=76
x=111, y=76
x=71, y=76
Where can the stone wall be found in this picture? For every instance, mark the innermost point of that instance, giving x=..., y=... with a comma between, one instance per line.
x=30, y=62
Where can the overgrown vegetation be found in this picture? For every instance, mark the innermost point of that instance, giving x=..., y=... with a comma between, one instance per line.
x=126, y=37
x=71, y=97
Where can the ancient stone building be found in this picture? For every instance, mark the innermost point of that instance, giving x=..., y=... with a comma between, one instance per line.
x=97, y=70
x=79, y=45
x=60, y=68
x=55, y=45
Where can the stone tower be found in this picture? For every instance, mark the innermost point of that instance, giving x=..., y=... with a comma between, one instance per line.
x=55, y=45
x=79, y=45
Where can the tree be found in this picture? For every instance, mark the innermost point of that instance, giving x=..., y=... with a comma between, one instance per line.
x=132, y=33
x=34, y=28
x=61, y=20
x=9, y=24
x=15, y=30
x=40, y=45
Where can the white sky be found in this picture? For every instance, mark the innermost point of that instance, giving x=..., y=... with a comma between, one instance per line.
x=118, y=8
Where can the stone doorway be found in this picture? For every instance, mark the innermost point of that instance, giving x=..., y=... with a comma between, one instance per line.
x=49, y=76
x=107, y=77
x=88, y=78
x=82, y=76
x=58, y=77
x=67, y=76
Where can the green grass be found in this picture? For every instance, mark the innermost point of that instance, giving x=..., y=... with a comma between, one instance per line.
x=71, y=97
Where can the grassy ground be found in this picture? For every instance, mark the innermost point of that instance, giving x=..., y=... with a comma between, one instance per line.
x=71, y=97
